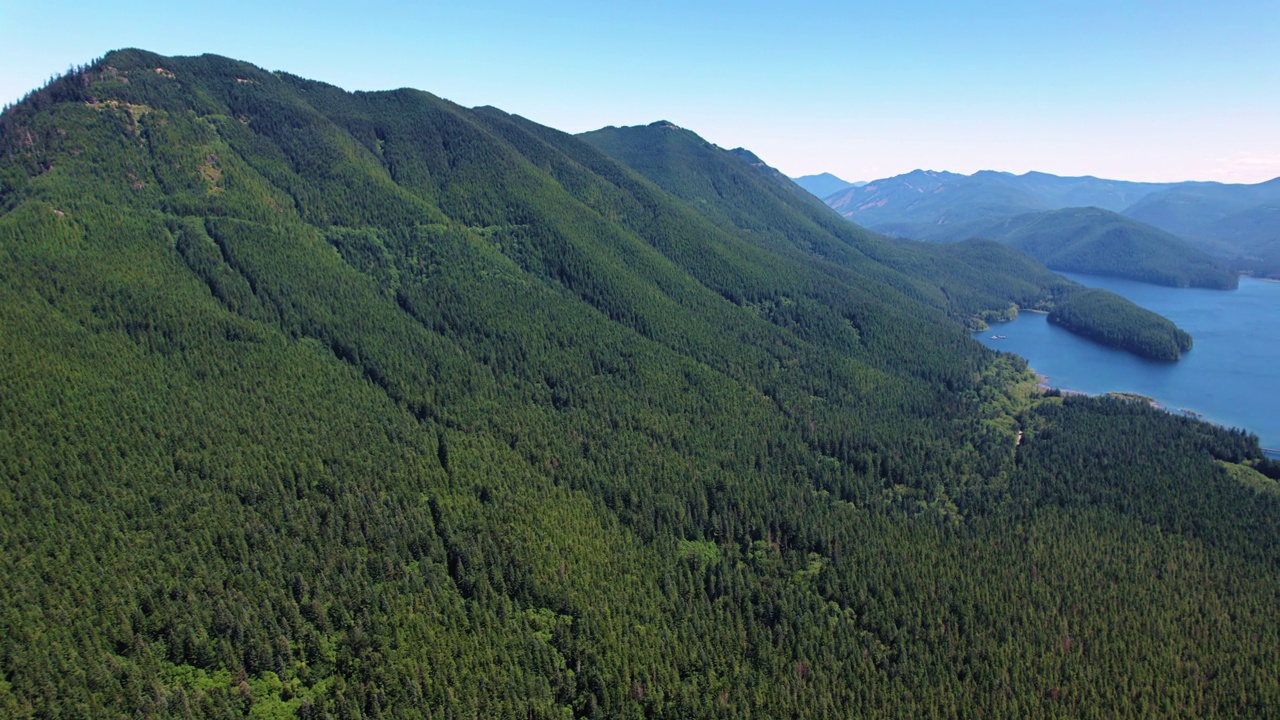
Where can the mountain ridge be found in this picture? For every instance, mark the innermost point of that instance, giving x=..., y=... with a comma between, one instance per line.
x=705, y=175
x=1232, y=223
x=1091, y=241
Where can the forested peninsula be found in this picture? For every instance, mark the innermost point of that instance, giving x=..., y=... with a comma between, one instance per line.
x=1094, y=313
x=1112, y=320
x=321, y=404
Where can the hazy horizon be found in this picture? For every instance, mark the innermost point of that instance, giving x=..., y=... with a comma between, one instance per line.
x=1139, y=91
x=1006, y=172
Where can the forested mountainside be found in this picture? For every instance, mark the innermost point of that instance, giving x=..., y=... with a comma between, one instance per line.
x=327, y=404
x=1241, y=222
x=975, y=281
x=1092, y=241
x=741, y=194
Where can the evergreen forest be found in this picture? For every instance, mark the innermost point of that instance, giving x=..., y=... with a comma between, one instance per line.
x=1113, y=320
x=318, y=404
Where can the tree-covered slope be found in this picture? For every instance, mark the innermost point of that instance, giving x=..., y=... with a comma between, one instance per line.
x=975, y=282
x=743, y=195
x=1100, y=242
x=979, y=274
x=1112, y=320
x=1236, y=221
x=1099, y=315
x=316, y=403
x=1090, y=240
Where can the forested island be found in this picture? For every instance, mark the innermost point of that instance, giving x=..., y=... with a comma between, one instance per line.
x=1112, y=320
x=321, y=404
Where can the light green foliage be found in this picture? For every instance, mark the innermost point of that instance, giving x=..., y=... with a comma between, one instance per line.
x=700, y=552
x=1251, y=478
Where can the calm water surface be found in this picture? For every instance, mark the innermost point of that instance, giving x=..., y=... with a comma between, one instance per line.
x=1231, y=376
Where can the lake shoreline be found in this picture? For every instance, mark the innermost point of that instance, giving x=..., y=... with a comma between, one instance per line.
x=1225, y=380
x=1263, y=278
x=1231, y=352
x=1043, y=384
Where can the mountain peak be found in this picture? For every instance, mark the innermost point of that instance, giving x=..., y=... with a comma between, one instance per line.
x=824, y=184
x=747, y=155
x=665, y=125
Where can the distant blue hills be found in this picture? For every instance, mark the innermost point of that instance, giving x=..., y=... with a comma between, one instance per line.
x=1238, y=225
x=825, y=184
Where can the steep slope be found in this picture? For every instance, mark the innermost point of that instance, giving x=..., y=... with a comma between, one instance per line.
x=366, y=404
x=975, y=283
x=742, y=194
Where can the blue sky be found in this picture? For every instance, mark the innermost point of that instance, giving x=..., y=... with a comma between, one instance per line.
x=1162, y=91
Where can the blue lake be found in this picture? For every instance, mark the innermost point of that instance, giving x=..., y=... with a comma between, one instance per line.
x=1231, y=376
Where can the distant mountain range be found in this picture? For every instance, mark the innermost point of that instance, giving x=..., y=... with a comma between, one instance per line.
x=825, y=184
x=1239, y=224
x=1092, y=240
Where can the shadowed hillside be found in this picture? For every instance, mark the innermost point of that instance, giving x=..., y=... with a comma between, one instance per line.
x=1099, y=242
